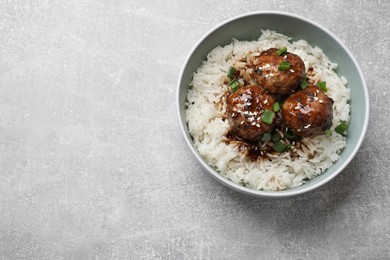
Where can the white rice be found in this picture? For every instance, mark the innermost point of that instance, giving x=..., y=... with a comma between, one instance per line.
x=206, y=110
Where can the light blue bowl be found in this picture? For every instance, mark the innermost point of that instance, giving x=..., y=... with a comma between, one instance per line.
x=248, y=27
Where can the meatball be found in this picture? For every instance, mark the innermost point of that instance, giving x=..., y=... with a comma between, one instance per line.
x=308, y=112
x=245, y=109
x=278, y=81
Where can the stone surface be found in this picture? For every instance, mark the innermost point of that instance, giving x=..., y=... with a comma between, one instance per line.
x=93, y=164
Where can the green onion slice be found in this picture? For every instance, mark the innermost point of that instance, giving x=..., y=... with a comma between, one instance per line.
x=231, y=72
x=266, y=137
x=275, y=138
x=328, y=132
x=281, y=51
x=279, y=147
x=322, y=86
x=304, y=84
x=289, y=135
x=284, y=65
x=268, y=116
x=276, y=107
x=234, y=85
x=341, y=128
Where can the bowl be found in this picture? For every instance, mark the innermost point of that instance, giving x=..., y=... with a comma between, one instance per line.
x=248, y=27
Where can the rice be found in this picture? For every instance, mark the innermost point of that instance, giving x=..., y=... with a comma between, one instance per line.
x=207, y=124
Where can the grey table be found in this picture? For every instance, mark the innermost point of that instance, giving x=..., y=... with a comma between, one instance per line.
x=93, y=164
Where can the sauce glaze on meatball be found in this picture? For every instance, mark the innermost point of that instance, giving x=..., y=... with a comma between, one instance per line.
x=308, y=112
x=245, y=108
x=268, y=75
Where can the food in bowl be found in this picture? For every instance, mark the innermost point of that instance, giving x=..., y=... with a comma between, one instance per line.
x=268, y=114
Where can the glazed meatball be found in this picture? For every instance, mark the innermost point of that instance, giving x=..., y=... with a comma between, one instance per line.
x=278, y=81
x=308, y=112
x=245, y=109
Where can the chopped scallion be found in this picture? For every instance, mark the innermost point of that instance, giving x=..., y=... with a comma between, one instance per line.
x=281, y=51
x=341, y=128
x=322, y=86
x=284, y=65
x=304, y=84
x=275, y=138
x=328, y=132
x=231, y=72
x=279, y=147
x=268, y=116
x=266, y=137
x=276, y=107
x=234, y=85
x=289, y=135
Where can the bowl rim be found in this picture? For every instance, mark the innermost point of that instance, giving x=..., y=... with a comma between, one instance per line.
x=260, y=193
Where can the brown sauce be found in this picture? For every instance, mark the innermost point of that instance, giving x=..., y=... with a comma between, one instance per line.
x=258, y=150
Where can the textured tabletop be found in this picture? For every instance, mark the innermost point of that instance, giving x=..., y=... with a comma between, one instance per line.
x=93, y=164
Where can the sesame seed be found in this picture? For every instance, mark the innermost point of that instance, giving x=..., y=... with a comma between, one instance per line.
x=292, y=71
x=257, y=125
x=307, y=126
